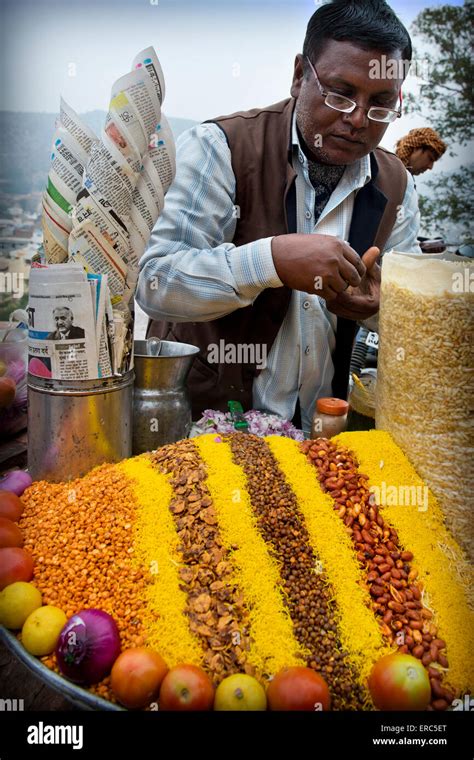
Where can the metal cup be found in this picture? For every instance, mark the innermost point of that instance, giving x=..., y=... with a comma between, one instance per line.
x=75, y=426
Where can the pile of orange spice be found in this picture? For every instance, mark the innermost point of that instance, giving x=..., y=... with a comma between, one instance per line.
x=79, y=534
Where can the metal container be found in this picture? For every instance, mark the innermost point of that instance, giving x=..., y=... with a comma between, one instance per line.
x=80, y=698
x=74, y=426
x=161, y=403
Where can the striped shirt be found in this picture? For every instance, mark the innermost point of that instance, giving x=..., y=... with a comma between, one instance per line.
x=192, y=272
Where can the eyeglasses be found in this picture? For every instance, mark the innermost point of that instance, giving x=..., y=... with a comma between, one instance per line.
x=346, y=105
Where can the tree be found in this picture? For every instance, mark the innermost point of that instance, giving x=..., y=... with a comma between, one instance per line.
x=446, y=100
x=450, y=201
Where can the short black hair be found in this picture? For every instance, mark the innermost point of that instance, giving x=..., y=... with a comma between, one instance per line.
x=368, y=24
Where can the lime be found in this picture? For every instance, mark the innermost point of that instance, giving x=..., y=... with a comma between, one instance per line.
x=41, y=630
x=17, y=601
x=240, y=692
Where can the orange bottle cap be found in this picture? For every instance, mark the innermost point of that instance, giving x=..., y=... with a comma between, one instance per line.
x=335, y=406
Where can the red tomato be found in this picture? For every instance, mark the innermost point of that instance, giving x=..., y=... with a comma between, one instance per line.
x=15, y=565
x=11, y=506
x=7, y=392
x=399, y=682
x=186, y=687
x=10, y=534
x=137, y=675
x=298, y=688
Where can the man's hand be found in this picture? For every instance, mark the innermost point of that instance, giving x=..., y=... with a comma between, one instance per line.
x=361, y=302
x=317, y=264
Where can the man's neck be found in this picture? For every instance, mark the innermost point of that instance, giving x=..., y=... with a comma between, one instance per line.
x=309, y=155
x=303, y=145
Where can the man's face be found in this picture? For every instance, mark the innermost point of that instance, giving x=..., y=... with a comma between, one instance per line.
x=63, y=320
x=333, y=137
x=421, y=160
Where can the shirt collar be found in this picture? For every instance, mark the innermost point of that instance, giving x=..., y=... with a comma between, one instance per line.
x=358, y=173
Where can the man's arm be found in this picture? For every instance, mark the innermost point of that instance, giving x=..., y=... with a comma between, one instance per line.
x=191, y=272
x=407, y=227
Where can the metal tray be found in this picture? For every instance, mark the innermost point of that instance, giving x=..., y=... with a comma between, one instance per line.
x=81, y=698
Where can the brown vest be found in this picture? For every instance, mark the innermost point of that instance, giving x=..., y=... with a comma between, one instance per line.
x=261, y=150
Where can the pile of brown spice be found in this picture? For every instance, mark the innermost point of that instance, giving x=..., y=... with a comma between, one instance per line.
x=215, y=606
x=306, y=587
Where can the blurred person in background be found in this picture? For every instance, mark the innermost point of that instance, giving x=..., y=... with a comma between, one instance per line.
x=418, y=151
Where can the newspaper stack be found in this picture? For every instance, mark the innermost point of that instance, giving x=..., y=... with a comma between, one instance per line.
x=101, y=203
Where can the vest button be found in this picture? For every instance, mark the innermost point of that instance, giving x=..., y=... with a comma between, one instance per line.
x=308, y=214
x=301, y=158
x=306, y=304
x=307, y=349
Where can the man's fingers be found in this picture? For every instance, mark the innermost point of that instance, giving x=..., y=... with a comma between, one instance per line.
x=355, y=307
x=371, y=256
x=350, y=273
x=354, y=258
x=329, y=293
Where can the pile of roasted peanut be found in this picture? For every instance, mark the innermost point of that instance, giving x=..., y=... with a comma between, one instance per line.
x=397, y=595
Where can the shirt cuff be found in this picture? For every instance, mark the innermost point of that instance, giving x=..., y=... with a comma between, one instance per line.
x=253, y=267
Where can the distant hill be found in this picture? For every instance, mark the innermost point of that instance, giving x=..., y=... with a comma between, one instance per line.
x=25, y=143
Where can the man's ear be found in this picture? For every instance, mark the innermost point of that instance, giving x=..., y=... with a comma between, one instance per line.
x=297, y=76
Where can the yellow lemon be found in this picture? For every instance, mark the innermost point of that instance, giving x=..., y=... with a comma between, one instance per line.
x=240, y=692
x=41, y=630
x=17, y=601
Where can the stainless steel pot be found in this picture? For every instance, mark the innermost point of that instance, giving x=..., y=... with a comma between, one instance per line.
x=161, y=403
x=75, y=426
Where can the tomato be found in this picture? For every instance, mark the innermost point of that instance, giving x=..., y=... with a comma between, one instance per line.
x=7, y=392
x=136, y=676
x=11, y=506
x=399, y=682
x=186, y=687
x=15, y=565
x=298, y=688
x=10, y=534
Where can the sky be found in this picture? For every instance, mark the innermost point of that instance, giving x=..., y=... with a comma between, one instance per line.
x=218, y=56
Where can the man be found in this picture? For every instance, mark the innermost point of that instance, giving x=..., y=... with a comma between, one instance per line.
x=420, y=149
x=65, y=330
x=252, y=245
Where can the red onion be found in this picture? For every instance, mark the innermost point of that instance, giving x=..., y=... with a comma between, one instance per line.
x=16, y=481
x=88, y=646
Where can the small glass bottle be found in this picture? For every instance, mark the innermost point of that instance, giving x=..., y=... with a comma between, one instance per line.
x=330, y=417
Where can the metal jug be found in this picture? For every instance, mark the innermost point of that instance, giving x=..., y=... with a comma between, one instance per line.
x=161, y=403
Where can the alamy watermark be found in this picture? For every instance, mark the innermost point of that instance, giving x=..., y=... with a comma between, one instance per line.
x=47, y=734
x=463, y=282
x=237, y=353
x=400, y=496
x=12, y=705
x=399, y=68
x=12, y=283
